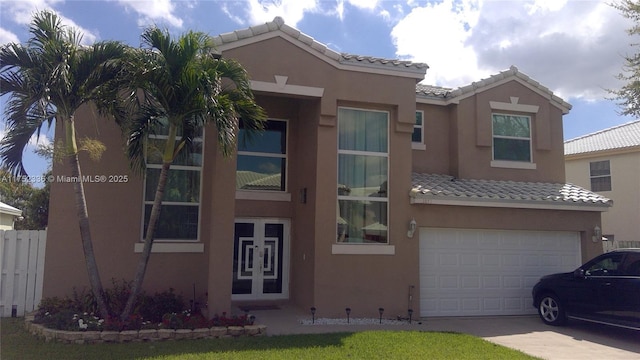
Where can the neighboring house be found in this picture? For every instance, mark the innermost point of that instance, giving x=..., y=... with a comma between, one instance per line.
x=8, y=216
x=608, y=162
x=365, y=191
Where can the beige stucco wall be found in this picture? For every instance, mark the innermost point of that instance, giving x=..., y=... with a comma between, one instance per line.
x=622, y=220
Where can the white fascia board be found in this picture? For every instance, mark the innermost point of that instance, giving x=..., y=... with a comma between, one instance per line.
x=307, y=91
x=510, y=204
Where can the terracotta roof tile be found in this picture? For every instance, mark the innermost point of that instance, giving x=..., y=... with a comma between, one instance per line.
x=445, y=187
x=617, y=137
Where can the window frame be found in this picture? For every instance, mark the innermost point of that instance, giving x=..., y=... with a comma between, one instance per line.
x=507, y=137
x=146, y=202
x=257, y=194
x=598, y=177
x=419, y=145
x=383, y=155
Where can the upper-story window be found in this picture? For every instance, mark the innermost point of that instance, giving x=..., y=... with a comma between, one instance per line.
x=417, y=138
x=600, y=173
x=262, y=158
x=511, y=137
x=180, y=212
x=363, y=158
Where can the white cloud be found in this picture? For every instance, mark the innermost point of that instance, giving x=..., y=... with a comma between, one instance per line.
x=152, y=11
x=364, y=4
x=438, y=36
x=573, y=47
x=292, y=11
x=7, y=36
x=21, y=12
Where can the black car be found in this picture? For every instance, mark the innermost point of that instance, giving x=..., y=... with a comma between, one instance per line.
x=604, y=290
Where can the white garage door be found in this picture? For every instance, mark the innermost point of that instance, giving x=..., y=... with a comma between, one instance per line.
x=489, y=272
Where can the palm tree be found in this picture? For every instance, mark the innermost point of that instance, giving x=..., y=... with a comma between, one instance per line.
x=185, y=86
x=48, y=79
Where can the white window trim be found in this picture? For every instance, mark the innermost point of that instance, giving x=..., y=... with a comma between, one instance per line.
x=347, y=197
x=363, y=249
x=422, y=144
x=269, y=195
x=171, y=247
x=513, y=164
x=262, y=195
x=179, y=245
x=509, y=163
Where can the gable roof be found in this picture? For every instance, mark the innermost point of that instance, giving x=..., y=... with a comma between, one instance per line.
x=448, y=190
x=621, y=137
x=7, y=209
x=427, y=93
x=277, y=28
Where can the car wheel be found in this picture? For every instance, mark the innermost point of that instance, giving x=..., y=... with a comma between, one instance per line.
x=551, y=311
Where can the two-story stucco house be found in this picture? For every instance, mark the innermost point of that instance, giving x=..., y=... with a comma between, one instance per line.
x=608, y=162
x=367, y=190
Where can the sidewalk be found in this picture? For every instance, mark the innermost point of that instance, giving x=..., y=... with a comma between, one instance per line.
x=525, y=333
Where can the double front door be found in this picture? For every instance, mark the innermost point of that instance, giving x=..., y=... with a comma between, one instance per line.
x=261, y=259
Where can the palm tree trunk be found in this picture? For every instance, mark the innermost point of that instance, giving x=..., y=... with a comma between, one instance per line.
x=153, y=222
x=148, y=242
x=83, y=219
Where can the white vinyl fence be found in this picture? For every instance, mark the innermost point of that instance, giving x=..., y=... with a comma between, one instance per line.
x=22, y=265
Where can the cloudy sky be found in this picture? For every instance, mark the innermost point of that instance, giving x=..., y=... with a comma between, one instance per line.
x=575, y=48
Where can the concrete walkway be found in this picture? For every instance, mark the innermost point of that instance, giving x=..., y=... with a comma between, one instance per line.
x=525, y=333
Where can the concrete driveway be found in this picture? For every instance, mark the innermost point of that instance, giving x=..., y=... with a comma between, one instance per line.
x=528, y=334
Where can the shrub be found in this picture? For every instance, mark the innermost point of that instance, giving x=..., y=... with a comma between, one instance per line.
x=232, y=321
x=152, y=308
x=162, y=310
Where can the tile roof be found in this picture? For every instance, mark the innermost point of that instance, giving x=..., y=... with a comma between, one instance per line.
x=446, y=189
x=433, y=91
x=453, y=95
x=416, y=69
x=617, y=137
x=343, y=58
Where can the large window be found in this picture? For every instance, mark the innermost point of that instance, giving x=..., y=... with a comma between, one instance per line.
x=600, y=173
x=262, y=158
x=362, y=176
x=180, y=213
x=511, y=137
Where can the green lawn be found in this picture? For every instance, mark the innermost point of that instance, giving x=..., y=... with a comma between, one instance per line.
x=16, y=343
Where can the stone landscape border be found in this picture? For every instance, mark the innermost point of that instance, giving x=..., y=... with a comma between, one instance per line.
x=95, y=337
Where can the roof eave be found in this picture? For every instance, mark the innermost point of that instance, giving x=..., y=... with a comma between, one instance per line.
x=513, y=204
x=513, y=74
x=240, y=38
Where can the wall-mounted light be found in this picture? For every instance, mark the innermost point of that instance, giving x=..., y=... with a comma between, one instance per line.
x=597, y=234
x=412, y=228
